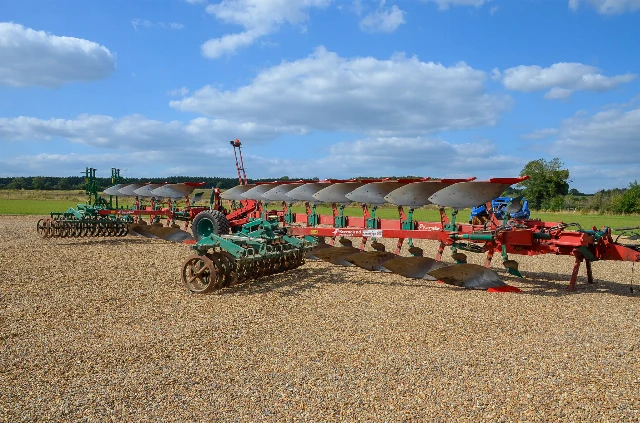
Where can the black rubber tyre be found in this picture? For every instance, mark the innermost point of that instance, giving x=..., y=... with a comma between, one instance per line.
x=209, y=222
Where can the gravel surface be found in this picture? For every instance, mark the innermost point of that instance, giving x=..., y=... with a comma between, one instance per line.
x=102, y=329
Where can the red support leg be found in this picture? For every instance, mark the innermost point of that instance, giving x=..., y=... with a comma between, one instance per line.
x=440, y=251
x=589, y=273
x=576, y=268
x=487, y=262
x=399, y=245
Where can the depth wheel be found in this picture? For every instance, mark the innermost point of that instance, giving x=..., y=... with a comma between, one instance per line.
x=199, y=274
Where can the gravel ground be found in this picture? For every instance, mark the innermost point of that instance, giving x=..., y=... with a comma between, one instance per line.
x=102, y=329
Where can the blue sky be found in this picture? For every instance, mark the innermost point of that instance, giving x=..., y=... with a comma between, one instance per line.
x=326, y=88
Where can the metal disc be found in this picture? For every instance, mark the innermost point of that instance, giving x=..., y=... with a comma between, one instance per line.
x=336, y=255
x=336, y=193
x=374, y=192
x=413, y=267
x=114, y=189
x=370, y=260
x=160, y=232
x=515, y=206
x=279, y=193
x=415, y=194
x=129, y=189
x=465, y=195
x=256, y=192
x=146, y=191
x=469, y=276
x=173, y=191
x=305, y=192
x=236, y=192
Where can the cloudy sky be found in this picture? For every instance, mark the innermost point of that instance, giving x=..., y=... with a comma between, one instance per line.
x=325, y=88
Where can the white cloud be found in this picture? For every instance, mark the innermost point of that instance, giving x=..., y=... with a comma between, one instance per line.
x=396, y=97
x=258, y=18
x=383, y=19
x=540, y=134
x=133, y=132
x=195, y=1
x=179, y=92
x=30, y=57
x=445, y=4
x=562, y=79
x=607, y=7
x=608, y=137
x=144, y=23
x=399, y=157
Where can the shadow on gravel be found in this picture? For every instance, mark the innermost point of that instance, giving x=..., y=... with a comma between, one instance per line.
x=108, y=241
x=557, y=285
x=303, y=279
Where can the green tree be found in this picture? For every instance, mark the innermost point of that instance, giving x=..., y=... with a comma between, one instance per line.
x=63, y=184
x=17, y=183
x=547, y=180
x=38, y=183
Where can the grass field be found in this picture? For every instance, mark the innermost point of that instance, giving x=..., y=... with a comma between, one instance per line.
x=14, y=202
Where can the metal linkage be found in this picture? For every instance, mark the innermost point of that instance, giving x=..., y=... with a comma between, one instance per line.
x=261, y=248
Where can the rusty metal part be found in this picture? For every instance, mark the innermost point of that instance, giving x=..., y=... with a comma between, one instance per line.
x=468, y=275
x=413, y=267
x=370, y=260
x=337, y=255
x=198, y=274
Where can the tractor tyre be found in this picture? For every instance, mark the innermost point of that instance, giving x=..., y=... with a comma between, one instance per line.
x=209, y=222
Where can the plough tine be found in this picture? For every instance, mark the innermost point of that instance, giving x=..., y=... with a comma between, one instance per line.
x=160, y=232
x=311, y=254
x=256, y=192
x=279, y=193
x=374, y=192
x=236, y=192
x=335, y=193
x=145, y=191
x=129, y=190
x=114, y=190
x=412, y=267
x=416, y=194
x=305, y=192
x=468, y=275
x=370, y=260
x=466, y=195
x=173, y=191
x=337, y=255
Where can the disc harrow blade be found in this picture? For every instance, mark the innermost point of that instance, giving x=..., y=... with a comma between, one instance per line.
x=305, y=192
x=466, y=195
x=416, y=194
x=256, y=192
x=236, y=192
x=468, y=275
x=114, y=190
x=375, y=192
x=415, y=267
x=370, y=260
x=279, y=193
x=336, y=255
x=129, y=190
x=336, y=193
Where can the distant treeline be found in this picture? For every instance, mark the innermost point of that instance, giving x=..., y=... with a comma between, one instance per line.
x=77, y=182
x=617, y=200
